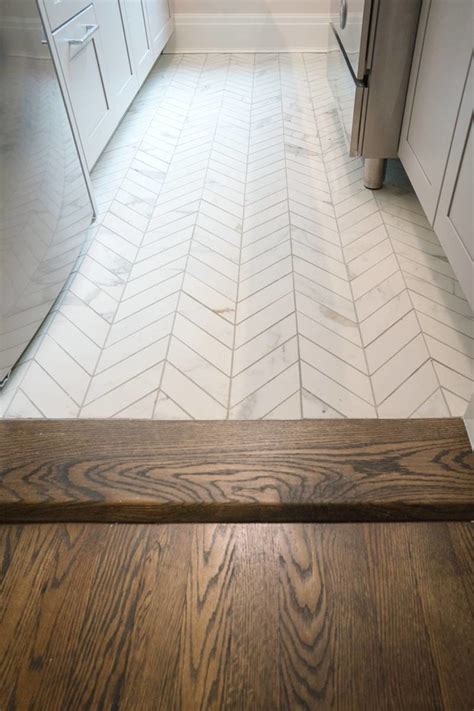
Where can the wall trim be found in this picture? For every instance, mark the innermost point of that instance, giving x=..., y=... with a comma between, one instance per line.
x=239, y=32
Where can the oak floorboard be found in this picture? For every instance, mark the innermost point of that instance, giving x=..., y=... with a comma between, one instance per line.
x=236, y=617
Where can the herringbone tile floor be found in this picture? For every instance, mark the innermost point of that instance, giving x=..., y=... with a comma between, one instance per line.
x=239, y=269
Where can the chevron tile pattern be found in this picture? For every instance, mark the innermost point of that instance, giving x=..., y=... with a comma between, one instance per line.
x=239, y=268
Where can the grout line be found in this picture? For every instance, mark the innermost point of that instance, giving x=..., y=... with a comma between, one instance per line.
x=186, y=119
x=200, y=355
x=251, y=90
x=124, y=382
x=415, y=310
x=269, y=353
x=341, y=385
x=136, y=148
x=298, y=335
x=345, y=262
x=387, y=397
x=298, y=82
x=131, y=355
x=264, y=385
x=424, y=401
x=205, y=60
x=285, y=401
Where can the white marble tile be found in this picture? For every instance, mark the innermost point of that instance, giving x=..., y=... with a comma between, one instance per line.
x=264, y=400
x=124, y=394
x=457, y=405
x=46, y=395
x=239, y=268
x=190, y=397
x=404, y=401
x=130, y=367
x=316, y=409
x=136, y=342
x=289, y=409
x=336, y=368
x=201, y=371
x=390, y=376
x=68, y=373
x=263, y=370
x=434, y=406
x=337, y=396
x=166, y=409
x=22, y=407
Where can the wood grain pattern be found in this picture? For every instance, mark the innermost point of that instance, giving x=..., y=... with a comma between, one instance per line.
x=239, y=617
x=311, y=470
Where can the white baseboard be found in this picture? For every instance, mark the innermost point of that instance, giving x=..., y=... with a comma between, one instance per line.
x=265, y=32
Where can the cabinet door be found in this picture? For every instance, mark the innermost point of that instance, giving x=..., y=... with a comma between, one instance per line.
x=159, y=24
x=440, y=64
x=453, y=224
x=80, y=55
x=122, y=83
x=142, y=56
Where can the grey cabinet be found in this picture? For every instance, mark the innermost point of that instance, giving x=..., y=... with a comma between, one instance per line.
x=453, y=223
x=440, y=65
x=436, y=140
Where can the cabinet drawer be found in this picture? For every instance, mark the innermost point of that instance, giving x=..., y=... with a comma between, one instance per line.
x=60, y=11
x=80, y=54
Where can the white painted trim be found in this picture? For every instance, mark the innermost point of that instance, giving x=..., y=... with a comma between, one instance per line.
x=469, y=421
x=263, y=32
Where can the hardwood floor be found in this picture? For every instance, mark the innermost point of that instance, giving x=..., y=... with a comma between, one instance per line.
x=242, y=617
x=313, y=470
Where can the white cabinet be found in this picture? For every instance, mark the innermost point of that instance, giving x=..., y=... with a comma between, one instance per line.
x=159, y=23
x=81, y=58
x=105, y=53
x=60, y=11
x=440, y=65
x=142, y=54
x=454, y=223
x=121, y=81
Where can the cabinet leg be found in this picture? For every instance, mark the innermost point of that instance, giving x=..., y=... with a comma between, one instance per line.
x=374, y=173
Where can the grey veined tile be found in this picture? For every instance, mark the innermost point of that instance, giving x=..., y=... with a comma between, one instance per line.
x=240, y=270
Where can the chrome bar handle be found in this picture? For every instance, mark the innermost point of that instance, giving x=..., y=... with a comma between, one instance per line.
x=90, y=31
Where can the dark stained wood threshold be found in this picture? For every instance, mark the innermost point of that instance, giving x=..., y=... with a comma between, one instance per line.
x=253, y=471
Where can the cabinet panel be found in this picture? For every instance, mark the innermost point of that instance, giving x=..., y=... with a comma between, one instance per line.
x=142, y=57
x=439, y=70
x=82, y=66
x=460, y=210
x=121, y=82
x=454, y=218
x=159, y=27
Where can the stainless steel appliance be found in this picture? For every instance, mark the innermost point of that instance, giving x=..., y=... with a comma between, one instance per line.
x=45, y=204
x=368, y=71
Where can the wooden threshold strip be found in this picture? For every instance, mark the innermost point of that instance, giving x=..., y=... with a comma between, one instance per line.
x=253, y=471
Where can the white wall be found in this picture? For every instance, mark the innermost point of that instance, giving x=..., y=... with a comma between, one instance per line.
x=250, y=26
x=251, y=6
